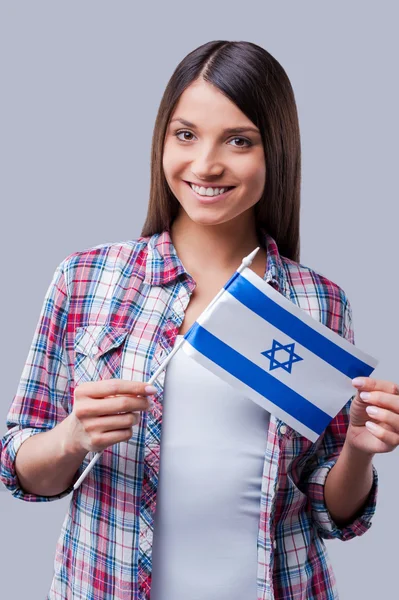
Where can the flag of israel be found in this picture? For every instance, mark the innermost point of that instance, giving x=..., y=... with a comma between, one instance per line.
x=276, y=354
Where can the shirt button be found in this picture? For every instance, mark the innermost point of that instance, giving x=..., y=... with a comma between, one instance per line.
x=283, y=429
x=274, y=544
x=94, y=350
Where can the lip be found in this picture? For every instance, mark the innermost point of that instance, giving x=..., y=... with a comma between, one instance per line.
x=202, y=184
x=209, y=199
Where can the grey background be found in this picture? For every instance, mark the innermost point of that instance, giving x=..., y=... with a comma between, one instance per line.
x=80, y=86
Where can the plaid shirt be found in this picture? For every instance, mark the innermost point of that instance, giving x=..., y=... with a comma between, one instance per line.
x=114, y=311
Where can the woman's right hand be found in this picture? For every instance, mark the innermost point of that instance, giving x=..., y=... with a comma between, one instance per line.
x=104, y=413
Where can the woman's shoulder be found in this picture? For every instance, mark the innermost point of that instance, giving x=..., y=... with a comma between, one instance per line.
x=301, y=282
x=306, y=280
x=321, y=297
x=106, y=253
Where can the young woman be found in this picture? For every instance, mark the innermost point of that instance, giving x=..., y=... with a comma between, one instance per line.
x=229, y=502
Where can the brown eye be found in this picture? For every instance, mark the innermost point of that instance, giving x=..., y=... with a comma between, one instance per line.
x=184, y=132
x=243, y=140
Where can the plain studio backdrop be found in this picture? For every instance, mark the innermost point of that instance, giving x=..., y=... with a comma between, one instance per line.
x=80, y=87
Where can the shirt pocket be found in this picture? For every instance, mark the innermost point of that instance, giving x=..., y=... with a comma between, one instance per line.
x=98, y=352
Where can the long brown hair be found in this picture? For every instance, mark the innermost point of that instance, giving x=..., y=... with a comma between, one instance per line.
x=253, y=79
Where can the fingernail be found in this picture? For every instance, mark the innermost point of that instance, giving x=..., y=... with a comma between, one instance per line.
x=372, y=410
x=150, y=389
x=371, y=426
x=358, y=382
x=365, y=396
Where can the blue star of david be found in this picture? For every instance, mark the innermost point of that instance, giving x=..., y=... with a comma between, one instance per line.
x=274, y=363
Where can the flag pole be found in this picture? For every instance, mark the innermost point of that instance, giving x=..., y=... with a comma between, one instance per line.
x=246, y=262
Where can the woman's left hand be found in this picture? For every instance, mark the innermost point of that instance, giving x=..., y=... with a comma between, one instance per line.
x=374, y=432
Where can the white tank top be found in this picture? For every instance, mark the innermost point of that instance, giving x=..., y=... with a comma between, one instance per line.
x=208, y=500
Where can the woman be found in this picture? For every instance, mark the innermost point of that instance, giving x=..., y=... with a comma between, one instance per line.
x=242, y=501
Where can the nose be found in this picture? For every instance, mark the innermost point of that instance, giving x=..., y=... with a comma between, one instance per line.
x=207, y=170
x=206, y=165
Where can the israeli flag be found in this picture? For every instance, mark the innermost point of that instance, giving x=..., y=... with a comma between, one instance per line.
x=276, y=354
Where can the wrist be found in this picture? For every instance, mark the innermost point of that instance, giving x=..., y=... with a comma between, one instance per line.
x=69, y=441
x=353, y=453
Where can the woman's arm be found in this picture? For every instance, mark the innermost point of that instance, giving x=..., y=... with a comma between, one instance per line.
x=348, y=485
x=41, y=401
x=340, y=483
x=46, y=465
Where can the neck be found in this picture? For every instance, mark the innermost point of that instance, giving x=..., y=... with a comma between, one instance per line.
x=214, y=248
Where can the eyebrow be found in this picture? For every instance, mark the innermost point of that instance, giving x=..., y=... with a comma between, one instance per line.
x=228, y=130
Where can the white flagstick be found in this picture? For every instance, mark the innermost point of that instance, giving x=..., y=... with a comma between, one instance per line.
x=246, y=261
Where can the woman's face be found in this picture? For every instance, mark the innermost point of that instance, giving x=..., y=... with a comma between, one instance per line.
x=203, y=152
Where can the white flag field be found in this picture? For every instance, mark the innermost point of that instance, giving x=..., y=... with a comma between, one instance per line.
x=276, y=354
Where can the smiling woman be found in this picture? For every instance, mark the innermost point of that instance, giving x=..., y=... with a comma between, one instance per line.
x=211, y=159
x=240, y=504
x=214, y=129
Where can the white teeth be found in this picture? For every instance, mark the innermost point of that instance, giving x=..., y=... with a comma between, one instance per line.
x=207, y=191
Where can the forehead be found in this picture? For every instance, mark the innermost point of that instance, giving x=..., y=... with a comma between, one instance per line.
x=205, y=105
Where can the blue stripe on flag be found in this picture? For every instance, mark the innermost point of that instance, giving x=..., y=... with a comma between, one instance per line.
x=256, y=300
x=256, y=378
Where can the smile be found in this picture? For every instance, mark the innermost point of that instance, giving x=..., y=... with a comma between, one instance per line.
x=209, y=197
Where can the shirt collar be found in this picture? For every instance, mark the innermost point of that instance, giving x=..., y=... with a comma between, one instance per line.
x=163, y=264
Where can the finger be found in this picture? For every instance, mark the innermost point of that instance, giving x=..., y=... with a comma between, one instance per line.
x=382, y=399
x=114, y=422
x=387, y=427
x=112, y=406
x=388, y=437
x=124, y=404
x=112, y=387
x=384, y=425
x=368, y=384
x=384, y=417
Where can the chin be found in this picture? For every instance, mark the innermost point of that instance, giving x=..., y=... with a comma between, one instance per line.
x=208, y=220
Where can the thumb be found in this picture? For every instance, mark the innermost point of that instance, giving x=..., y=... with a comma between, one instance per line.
x=358, y=413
